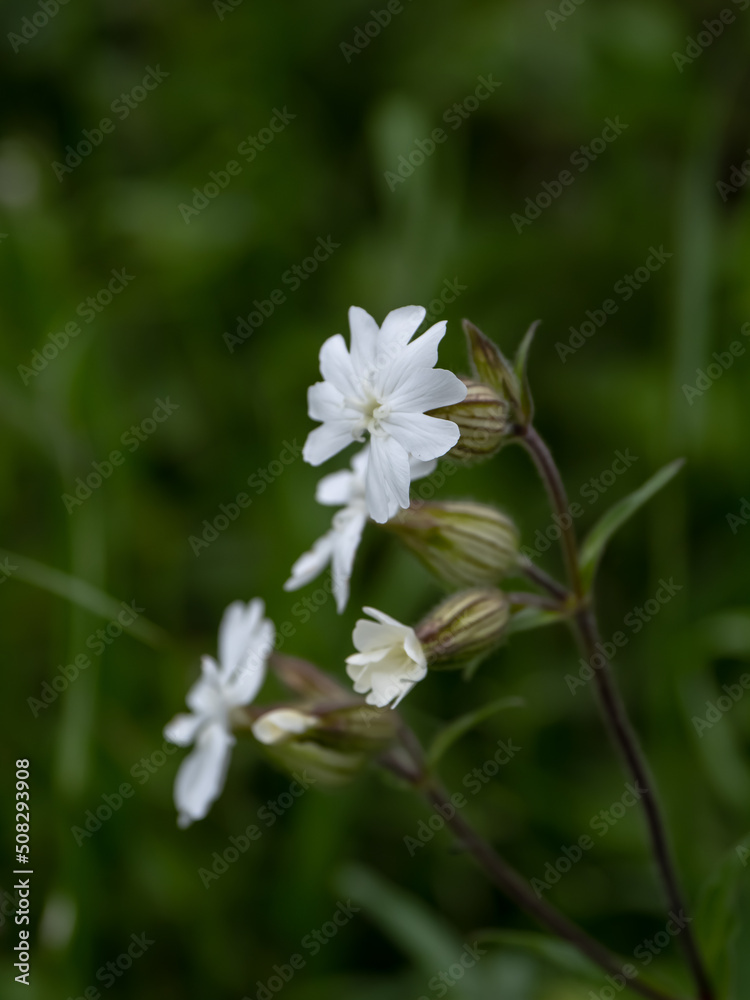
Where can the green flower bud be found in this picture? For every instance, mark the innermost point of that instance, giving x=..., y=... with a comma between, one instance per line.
x=482, y=418
x=490, y=364
x=464, y=628
x=318, y=763
x=464, y=544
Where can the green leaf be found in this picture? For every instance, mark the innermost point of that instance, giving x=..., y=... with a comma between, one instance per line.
x=558, y=953
x=717, y=918
x=616, y=516
x=520, y=365
x=448, y=736
x=80, y=592
x=490, y=364
x=530, y=618
x=406, y=920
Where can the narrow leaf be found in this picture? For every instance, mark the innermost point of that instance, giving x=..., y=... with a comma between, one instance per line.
x=82, y=593
x=558, y=953
x=520, y=365
x=616, y=516
x=422, y=935
x=489, y=363
x=530, y=618
x=448, y=736
x=717, y=918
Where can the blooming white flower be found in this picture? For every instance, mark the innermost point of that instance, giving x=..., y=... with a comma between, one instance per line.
x=281, y=723
x=245, y=641
x=383, y=385
x=390, y=660
x=339, y=545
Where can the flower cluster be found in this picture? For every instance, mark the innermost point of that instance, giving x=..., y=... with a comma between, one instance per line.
x=385, y=392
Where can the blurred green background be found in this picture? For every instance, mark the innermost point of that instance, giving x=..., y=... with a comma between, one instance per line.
x=226, y=71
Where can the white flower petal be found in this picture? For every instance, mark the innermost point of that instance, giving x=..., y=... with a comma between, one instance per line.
x=336, y=366
x=237, y=632
x=202, y=774
x=399, y=326
x=202, y=696
x=247, y=679
x=425, y=437
x=421, y=469
x=312, y=563
x=278, y=724
x=325, y=402
x=337, y=489
x=388, y=478
x=427, y=390
x=390, y=660
x=349, y=525
x=364, y=338
x=182, y=729
x=327, y=440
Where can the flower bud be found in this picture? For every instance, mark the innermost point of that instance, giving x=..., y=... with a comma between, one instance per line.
x=318, y=764
x=490, y=364
x=464, y=544
x=351, y=727
x=482, y=418
x=464, y=628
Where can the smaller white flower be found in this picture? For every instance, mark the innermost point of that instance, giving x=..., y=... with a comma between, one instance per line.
x=279, y=724
x=246, y=639
x=390, y=660
x=339, y=545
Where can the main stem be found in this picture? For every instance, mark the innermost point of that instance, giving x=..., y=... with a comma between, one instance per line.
x=505, y=877
x=587, y=632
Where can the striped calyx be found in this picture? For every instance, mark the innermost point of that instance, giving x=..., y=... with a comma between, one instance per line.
x=463, y=544
x=465, y=628
x=482, y=419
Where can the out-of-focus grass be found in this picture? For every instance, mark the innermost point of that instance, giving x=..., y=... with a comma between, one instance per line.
x=322, y=177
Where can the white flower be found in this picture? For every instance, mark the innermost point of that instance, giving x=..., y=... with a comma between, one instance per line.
x=390, y=660
x=246, y=639
x=279, y=724
x=339, y=545
x=383, y=385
